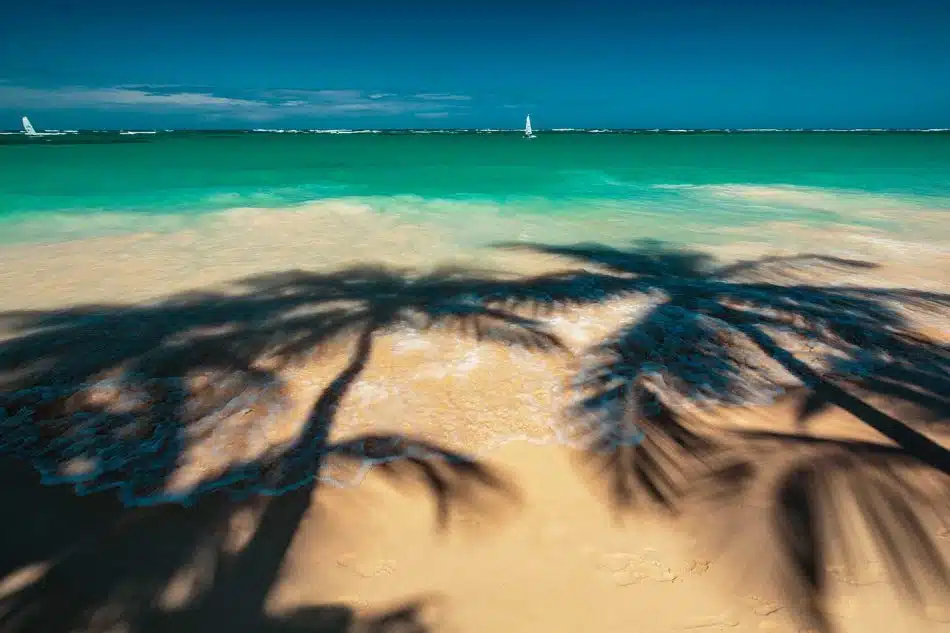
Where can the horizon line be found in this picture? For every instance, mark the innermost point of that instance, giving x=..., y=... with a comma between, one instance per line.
x=487, y=129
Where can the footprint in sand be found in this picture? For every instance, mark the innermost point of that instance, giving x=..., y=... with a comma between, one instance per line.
x=698, y=567
x=716, y=622
x=762, y=606
x=617, y=561
x=378, y=569
x=629, y=569
x=767, y=607
x=871, y=573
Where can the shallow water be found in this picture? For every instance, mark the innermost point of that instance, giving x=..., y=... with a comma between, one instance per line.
x=476, y=188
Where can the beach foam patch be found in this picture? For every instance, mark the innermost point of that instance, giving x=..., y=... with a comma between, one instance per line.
x=813, y=198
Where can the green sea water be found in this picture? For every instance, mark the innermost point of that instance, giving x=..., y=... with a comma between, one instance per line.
x=76, y=185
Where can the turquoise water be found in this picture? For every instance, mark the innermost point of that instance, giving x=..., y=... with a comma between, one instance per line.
x=52, y=187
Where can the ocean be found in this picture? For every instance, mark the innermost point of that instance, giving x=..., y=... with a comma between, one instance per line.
x=685, y=188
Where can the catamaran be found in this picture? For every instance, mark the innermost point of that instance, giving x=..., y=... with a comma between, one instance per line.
x=527, y=127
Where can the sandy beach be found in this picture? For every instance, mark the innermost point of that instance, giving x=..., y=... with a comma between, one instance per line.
x=487, y=508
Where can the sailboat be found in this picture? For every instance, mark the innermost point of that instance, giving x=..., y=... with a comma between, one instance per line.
x=28, y=127
x=29, y=131
x=527, y=127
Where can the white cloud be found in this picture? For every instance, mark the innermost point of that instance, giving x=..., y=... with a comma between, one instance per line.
x=314, y=95
x=432, y=115
x=357, y=101
x=152, y=86
x=81, y=97
x=272, y=104
x=441, y=96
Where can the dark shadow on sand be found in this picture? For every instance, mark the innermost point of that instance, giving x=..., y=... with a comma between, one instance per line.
x=114, y=565
x=708, y=332
x=167, y=370
x=727, y=334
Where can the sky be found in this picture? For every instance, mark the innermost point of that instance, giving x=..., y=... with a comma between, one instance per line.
x=157, y=64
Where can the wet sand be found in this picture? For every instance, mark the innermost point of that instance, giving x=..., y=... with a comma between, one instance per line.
x=530, y=540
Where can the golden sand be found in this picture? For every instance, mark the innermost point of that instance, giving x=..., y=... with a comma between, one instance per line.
x=535, y=546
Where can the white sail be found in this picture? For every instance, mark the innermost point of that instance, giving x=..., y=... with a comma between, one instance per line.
x=527, y=126
x=28, y=127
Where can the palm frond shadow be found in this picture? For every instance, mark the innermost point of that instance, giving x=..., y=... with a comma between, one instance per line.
x=748, y=333
x=111, y=397
x=96, y=382
x=454, y=480
x=829, y=510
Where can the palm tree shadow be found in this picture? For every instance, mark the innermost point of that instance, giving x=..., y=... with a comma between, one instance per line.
x=170, y=568
x=744, y=334
x=109, y=397
x=105, y=396
x=828, y=511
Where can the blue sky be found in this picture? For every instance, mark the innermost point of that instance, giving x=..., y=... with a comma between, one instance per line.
x=388, y=64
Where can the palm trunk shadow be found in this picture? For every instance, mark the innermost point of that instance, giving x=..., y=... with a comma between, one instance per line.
x=699, y=338
x=316, y=432
x=237, y=600
x=238, y=597
x=915, y=443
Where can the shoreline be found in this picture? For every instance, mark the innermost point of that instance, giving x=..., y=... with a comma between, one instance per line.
x=212, y=250
x=710, y=214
